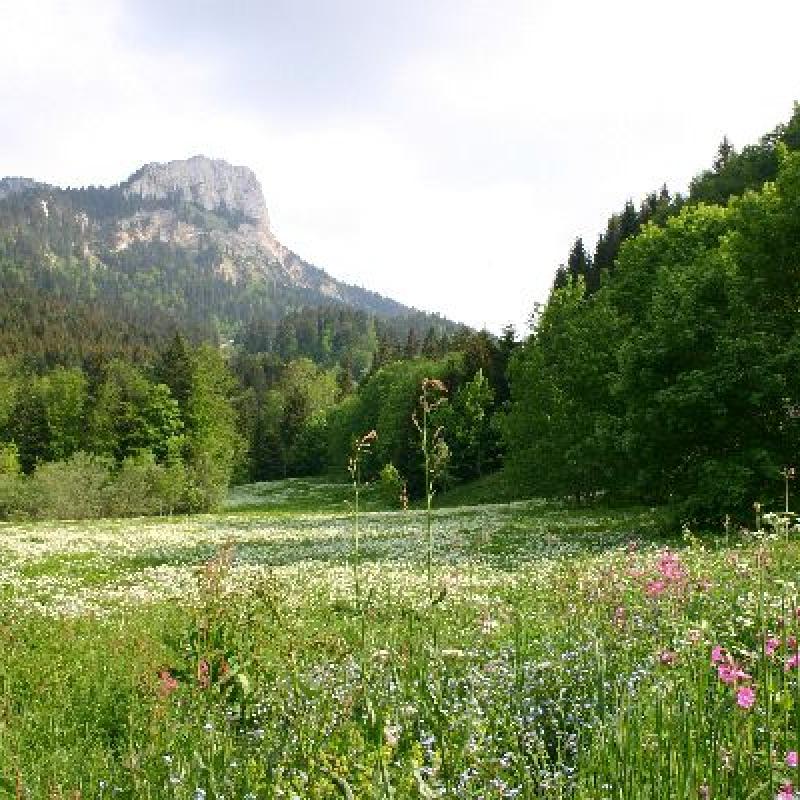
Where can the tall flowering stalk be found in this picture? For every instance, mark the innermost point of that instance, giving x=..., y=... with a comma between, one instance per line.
x=435, y=452
x=360, y=447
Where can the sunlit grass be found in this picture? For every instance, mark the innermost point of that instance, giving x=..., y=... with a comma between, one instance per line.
x=228, y=655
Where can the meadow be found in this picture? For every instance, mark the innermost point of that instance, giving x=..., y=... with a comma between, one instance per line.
x=288, y=648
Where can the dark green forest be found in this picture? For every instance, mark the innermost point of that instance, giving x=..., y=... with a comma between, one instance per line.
x=664, y=368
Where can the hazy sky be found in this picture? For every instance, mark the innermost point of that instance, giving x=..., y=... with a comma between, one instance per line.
x=443, y=152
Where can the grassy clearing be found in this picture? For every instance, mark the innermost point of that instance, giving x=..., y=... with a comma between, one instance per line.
x=564, y=654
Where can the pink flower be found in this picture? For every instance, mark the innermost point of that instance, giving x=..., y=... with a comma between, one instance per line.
x=745, y=697
x=791, y=758
x=669, y=565
x=667, y=658
x=772, y=645
x=725, y=674
x=730, y=674
x=791, y=662
x=717, y=654
x=655, y=588
x=167, y=684
x=785, y=792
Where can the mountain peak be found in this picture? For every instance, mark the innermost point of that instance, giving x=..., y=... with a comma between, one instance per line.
x=212, y=184
x=200, y=224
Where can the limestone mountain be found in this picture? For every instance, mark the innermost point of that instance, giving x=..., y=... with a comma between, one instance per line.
x=186, y=244
x=209, y=183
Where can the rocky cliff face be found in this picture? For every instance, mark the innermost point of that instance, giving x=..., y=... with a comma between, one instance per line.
x=211, y=184
x=237, y=222
x=211, y=215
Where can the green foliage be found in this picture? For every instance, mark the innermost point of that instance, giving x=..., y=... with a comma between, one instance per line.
x=386, y=403
x=74, y=489
x=9, y=460
x=677, y=380
x=392, y=486
x=28, y=426
x=65, y=396
x=10, y=480
x=471, y=433
x=132, y=414
x=387, y=400
x=8, y=391
x=143, y=487
x=734, y=172
x=289, y=434
x=86, y=486
x=141, y=449
x=561, y=426
x=213, y=444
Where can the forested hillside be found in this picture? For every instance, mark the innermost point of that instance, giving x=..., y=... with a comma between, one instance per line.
x=670, y=370
x=665, y=367
x=157, y=342
x=86, y=274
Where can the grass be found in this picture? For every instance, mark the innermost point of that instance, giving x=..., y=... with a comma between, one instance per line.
x=295, y=495
x=486, y=490
x=561, y=654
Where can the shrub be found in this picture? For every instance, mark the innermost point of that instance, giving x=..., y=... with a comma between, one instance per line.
x=136, y=489
x=74, y=489
x=392, y=486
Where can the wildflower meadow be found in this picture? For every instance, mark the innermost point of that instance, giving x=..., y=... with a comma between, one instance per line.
x=303, y=648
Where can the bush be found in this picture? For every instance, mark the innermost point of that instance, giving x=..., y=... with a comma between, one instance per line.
x=74, y=489
x=206, y=484
x=392, y=486
x=137, y=487
x=11, y=495
x=88, y=486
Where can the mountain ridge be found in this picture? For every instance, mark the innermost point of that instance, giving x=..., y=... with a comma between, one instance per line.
x=247, y=246
x=183, y=246
x=215, y=211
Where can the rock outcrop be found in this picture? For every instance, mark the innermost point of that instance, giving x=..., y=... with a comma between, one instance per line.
x=202, y=213
x=211, y=184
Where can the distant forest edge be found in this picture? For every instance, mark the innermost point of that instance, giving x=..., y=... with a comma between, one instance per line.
x=76, y=288
x=664, y=368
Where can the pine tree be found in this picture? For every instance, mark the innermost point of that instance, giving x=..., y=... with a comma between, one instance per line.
x=174, y=368
x=725, y=152
x=411, y=349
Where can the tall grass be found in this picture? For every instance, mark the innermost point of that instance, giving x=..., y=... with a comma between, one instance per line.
x=570, y=655
x=360, y=447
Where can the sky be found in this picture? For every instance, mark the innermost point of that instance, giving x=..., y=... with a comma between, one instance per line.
x=445, y=153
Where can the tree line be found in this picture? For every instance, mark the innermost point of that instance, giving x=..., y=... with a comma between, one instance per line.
x=128, y=440
x=301, y=416
x=168, y=433
x=674, y=377
x=663, y=369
